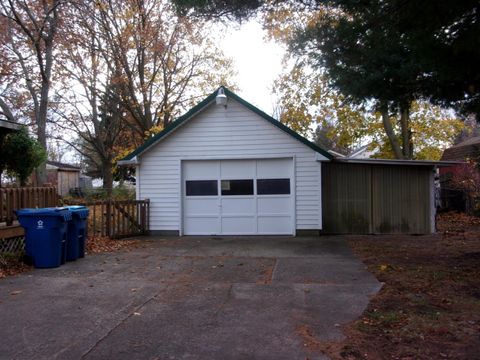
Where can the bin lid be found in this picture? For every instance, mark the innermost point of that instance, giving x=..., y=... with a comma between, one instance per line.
x=51, y=211
x=79, y=211
x=75, y=207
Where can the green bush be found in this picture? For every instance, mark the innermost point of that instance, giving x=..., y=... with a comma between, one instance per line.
x=21, y=154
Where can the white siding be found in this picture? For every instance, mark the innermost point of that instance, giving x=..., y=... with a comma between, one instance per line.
x=234, y=132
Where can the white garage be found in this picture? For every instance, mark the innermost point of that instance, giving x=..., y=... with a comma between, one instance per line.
x=227, y=168
x=238, y=197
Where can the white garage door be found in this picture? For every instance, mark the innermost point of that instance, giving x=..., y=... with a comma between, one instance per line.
x=238, y=197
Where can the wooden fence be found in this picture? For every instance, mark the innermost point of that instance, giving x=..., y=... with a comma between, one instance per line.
x=12, y=199
x=117, y=218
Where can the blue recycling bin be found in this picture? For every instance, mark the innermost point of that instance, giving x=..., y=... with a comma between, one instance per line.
x=77, y=232
x=45, y=235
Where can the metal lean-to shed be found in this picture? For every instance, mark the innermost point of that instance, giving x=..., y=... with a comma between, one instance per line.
x=373, y=196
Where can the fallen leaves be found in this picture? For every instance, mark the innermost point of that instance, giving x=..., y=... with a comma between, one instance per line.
x=10, y=266
x=428, y=298
x=451, y=223
x=13, y=265
x=383, y=267
x=101, y=244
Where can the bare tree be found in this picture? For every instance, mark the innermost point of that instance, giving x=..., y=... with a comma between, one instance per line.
x=127, y=68
x=162, y=57
x=30, y=36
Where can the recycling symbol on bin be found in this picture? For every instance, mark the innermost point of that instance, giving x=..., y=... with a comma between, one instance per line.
x=39, y=224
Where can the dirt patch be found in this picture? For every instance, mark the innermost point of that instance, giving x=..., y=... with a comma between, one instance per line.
x=429, y=306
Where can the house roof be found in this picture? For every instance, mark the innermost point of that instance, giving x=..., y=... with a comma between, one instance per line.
x=336, y=154
x=357, y=151
x=201, y=106
x=62, y=166
x=8, y=126
x=402, y=162
x=463, y=150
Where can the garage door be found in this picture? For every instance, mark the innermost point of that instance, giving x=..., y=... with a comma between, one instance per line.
x=238, y=197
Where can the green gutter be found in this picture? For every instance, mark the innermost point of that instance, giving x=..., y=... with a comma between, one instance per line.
x=200, y=106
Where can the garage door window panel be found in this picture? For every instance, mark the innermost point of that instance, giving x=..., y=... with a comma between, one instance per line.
x=237, y=187
x=201, y=188
x=273, y=186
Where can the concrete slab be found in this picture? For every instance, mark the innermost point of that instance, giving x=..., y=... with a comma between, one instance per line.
x=187, y=298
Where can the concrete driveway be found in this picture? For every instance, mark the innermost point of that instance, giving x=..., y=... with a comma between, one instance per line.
x=188, y=298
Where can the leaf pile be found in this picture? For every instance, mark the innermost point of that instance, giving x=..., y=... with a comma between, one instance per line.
x=457, y=222
x=101, y=244
x=12, y=265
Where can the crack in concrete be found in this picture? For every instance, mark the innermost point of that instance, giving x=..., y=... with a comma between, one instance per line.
x=275, y=266
x=119, y=324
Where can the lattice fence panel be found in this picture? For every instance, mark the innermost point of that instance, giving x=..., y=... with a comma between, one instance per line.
x=13, y=246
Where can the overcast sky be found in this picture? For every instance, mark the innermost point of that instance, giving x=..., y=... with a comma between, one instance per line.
x=257, y=62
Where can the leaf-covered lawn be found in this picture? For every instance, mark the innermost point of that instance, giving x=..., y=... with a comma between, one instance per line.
x=429, y=306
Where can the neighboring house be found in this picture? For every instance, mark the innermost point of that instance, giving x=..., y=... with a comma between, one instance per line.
x=64, y=176
x=469, y=148
x=85, y=182
x=6, y=127
x=335, y=154
x=364, y=152
x=227, y=168
x=453, y=198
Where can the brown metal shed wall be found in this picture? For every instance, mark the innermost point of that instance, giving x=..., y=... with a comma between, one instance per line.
x=346, y=198
x=382, y=199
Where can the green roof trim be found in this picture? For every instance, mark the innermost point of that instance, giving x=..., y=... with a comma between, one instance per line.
x=172, y=126
x=211, y=98
x=278, y=124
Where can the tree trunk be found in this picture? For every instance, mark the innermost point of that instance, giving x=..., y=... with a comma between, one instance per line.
x=46, y=73
x=407, y=147
x=107, y=177
x=41, y=120
x=390, y=132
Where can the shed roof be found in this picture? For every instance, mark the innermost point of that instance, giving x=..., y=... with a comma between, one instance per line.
x=201, y=106
x=399, y=162
x=8, y=126
x=63, y=166
x=463, y=150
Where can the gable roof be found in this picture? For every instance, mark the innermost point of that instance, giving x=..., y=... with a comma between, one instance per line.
x=463, y=150
x=203, y=104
